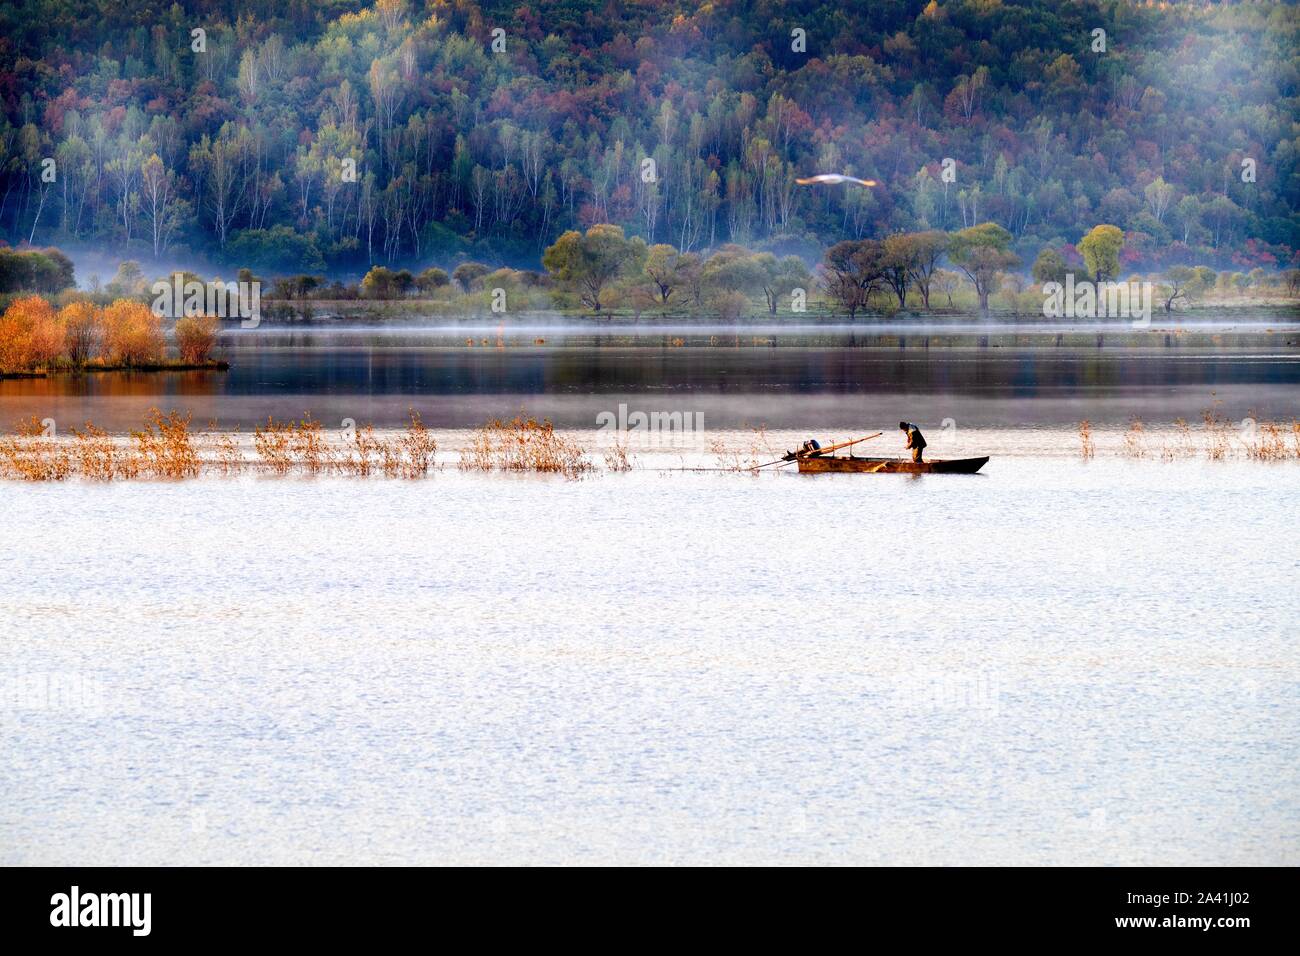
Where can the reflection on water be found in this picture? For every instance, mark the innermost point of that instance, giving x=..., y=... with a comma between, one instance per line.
x=1053, y=663
x=829, y=375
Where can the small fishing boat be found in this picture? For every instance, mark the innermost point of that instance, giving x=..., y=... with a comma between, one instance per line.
x=814, y=458
x=818, y=464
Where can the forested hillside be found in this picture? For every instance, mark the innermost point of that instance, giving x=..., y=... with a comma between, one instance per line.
x=239, y=142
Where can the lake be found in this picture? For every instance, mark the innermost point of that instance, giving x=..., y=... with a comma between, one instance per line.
x=1057, y=661
x=832, y=375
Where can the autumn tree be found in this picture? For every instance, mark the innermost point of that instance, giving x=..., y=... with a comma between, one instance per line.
x=83, y=326
x=853, y=270
x=196, y=336
x=30, y=334
x=133, y=335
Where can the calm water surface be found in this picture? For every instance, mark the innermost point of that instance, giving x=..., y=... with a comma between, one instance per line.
x=1055, y=662
x=459, y=376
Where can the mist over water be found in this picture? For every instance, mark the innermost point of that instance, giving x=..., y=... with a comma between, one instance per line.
x=832, y=375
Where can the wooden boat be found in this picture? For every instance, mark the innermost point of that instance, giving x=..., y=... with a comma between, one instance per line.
x=819, y=464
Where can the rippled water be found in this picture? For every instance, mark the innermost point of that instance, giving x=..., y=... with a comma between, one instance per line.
x=1053, y=662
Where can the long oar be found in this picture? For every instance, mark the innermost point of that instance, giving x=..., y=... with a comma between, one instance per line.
x=819, y=452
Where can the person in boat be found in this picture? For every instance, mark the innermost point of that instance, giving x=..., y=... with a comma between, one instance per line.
x=915, y=440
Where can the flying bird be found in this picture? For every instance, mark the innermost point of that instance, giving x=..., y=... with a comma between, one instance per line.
x=834, y=179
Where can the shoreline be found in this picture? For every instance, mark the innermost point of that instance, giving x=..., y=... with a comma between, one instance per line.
x=222, y=366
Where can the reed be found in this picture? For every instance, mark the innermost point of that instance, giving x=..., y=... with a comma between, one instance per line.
x=273, y=444
x=524, y=444
x=1216, y=427
x=1266, y=442
x=1135, y=439
x=1087, y=448
x=98, y=456
x=732, y=458
x=29, y=455
x=418, y=448
x=226, y=456
x=364, y=452
x=1186, y=446
x=616, y=457
x=165, y=448
x=306, y=445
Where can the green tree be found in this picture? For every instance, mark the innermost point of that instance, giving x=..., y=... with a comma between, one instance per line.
x=431, y=279
x=900, y=262
x=468, y=274
x=1100, y=249
x=1049, y=266
x=1181, y=282
x=982, y=253
x=928, y=247
x=379, y=283
x=663, y=269
x=590, y=262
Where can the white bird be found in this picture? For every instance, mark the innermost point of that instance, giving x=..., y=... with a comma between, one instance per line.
x=834, y=179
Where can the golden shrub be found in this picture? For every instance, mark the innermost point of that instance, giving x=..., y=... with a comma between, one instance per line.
x=26, y=333
x=133, y=335
x=196, y=337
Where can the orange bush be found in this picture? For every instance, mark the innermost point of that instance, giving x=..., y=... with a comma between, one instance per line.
x=133, y=335
x=83, y=331
x=48, y=338
x=26, y=333
x=196, y=336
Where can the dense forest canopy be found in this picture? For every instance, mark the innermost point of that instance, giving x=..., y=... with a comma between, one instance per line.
x=305, y=136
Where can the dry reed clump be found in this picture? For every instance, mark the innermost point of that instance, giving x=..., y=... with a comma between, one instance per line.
x=732, y=458
x=164, y=447
x=1266, y=442
x=1184, y=445
x=417, y=447
x=523, y=444
x=226, y=456
x=1135, y=439
x=307, y=448
x=1260, y=439
x=363, y=455
x=31, y=455
x=1217, y=432
x=616, y=457
x=272, y=442
x=100, y=458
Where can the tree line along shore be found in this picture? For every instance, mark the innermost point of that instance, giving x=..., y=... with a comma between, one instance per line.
x=50, y=324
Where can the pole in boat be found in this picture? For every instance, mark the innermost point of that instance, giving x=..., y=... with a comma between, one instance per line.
x=795, y=456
